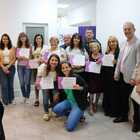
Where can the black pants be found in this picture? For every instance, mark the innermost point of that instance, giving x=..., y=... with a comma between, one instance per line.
x=124, y=91
x=2, y=135
x=136, y=117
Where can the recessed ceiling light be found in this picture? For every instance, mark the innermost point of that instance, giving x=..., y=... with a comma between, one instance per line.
x=63, y=6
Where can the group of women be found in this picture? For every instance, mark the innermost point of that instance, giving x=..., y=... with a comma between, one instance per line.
x=54, y=61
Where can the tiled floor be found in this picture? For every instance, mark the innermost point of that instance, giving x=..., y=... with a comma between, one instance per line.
x=24, y=122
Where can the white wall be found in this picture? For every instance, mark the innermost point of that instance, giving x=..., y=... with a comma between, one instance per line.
x=111, y=14
x=14, y=13
x=83, y=15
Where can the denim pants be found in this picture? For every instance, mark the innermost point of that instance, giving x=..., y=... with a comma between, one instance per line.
x=24, y=75
x=48, y=97
x=7, y=85
x=74, y=115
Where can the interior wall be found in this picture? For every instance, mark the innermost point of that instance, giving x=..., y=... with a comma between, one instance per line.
x=83, y=15
x=28, y=11
x=110, y=16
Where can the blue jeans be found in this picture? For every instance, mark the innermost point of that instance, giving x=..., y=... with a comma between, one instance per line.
x=24, y=75
x=74, y=116
x=48, y=96
x=7, y=85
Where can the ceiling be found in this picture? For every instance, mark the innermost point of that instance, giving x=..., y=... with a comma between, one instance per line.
x=73, y=4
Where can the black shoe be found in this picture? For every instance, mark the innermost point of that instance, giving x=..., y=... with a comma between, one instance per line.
x=135, y=128
x=120, y=119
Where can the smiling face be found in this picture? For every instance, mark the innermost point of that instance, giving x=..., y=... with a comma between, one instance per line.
x=94, y=47
x=112, y=43
x=66, y=69
x=129, y=30
x=53, y=62
x=76, y=40
x=54, y=42
x=38, y=40
x=5, y=40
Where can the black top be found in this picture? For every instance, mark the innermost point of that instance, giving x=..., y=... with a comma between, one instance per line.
x=2, y=135
x=79, y=95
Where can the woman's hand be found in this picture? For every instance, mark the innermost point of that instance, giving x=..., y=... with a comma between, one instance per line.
x=132, y=82
x=137, y=82
x=76, y=87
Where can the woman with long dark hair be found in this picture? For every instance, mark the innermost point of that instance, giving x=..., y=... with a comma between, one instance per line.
x=7, y=69
x=75, y=99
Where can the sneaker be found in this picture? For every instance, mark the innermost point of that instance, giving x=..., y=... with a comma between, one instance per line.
x=23, y=100
x=13, y=102
x=27, y=101
x=36, y=103
x=46, y=117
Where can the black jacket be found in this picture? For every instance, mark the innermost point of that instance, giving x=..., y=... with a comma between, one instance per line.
x=80, y=95
x=2, y=135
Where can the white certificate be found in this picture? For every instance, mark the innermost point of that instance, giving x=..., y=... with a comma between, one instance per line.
x=108, y=60
x=47, y=83
x=33, y=64
x=66, y=82
x=24, y=52
x=77, y=60
x=135, y=96
x=93, y=67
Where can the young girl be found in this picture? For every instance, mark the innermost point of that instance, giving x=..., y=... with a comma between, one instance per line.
x=36, y=54
x=94, y=79
x=7, y=70
x=75, y=102
x=24, y=73
x=52, y=71
x=109, y=85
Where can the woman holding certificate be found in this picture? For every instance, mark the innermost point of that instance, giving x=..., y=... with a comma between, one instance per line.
x=23, y=54
x=36, y=61
x=76, y=101
x=7, y=69
x=108, y=68
x=77, y=55
x=94, y=76
x=54, y=49
x=48, y=84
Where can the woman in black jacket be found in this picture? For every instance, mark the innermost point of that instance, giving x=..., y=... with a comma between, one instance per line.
x=2, y=135
x=75, y=101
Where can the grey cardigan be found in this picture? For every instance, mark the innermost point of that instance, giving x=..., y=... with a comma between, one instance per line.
x=130, y=61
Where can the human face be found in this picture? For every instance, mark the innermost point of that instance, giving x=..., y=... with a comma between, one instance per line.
x=94, y=48
x=38, y=40
x=53, y=62
x=65, y=68
x=112, y=43
x=76, y=40
x=5, y=40
x=23, y=39
x=54, y=42
x=89, y=34
x=129, y=30
x=67, y=39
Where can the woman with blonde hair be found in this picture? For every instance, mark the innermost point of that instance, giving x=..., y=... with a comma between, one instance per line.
x=107, y=73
